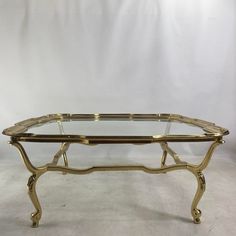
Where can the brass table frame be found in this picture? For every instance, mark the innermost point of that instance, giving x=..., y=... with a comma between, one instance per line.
x=212, y=133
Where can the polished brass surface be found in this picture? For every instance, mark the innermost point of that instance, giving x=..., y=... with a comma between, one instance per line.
x=213, y=133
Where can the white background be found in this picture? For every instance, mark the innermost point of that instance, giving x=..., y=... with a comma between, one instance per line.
x=138, y=56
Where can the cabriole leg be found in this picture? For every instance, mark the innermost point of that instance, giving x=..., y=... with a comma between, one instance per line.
x=35, y=216
x=36, y=173
x=196, y=213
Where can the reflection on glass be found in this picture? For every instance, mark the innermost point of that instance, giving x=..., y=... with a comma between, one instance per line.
x=116, y=128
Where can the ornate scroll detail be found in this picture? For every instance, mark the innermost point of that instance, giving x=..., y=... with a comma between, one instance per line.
x=31, y=182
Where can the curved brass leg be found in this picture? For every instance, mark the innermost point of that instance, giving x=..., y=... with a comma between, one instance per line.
x=180, y=165
x=36, y=172
x=35, y=216
x=196, y=213
x=163, y=159
x=65, y=161
x=197, y=171
x=62, y=153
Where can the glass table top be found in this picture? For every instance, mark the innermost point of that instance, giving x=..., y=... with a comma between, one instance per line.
x=114, y=127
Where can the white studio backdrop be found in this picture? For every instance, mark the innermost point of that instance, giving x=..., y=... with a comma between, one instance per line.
x=135, y=56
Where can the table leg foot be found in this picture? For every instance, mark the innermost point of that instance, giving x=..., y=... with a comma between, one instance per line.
x=35, y=217
x=196, y=216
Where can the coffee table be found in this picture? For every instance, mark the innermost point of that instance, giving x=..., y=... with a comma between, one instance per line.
x=93, y=129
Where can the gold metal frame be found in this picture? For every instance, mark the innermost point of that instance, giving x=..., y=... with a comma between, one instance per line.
x=211, y=133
